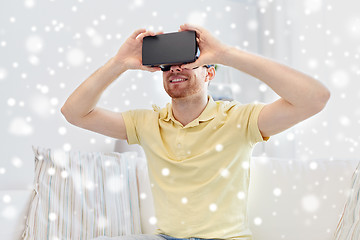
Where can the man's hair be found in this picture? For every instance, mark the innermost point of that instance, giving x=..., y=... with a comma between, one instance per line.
x=211, y=65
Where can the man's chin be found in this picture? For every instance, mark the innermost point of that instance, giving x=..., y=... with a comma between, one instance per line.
x=181, y=94
x=177, y=96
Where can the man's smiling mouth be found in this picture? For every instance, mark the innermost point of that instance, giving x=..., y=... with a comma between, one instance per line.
x=178, y=80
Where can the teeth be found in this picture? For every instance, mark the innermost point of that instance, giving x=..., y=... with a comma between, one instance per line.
x=178, y=80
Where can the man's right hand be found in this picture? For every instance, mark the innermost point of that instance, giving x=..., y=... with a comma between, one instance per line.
x=130, y=53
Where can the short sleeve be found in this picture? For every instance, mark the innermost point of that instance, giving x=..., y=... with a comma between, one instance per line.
x=253, y=128
x=247, y=116
x=134, y=119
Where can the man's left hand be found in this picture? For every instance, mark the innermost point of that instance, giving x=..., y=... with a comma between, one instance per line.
x=211, y=49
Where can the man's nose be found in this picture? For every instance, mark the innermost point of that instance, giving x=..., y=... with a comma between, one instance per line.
x=176, y=68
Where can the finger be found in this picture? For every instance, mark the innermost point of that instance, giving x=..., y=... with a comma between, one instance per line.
x=137, y=32
x=187, y=27
x=150, y=69
x=197, y=63
x=182, y=28
x=158, y=33
x=145, y=34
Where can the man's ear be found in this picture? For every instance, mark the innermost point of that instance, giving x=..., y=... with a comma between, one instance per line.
x=210, y=73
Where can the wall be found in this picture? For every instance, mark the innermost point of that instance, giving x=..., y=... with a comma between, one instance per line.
x=330, y=51
x=320, y=38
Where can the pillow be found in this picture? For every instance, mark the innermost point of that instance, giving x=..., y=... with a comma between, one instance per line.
x=82, y=195
x=147, y=210
x=349, y=223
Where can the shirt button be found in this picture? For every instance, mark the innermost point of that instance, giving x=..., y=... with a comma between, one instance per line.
x=179, y=145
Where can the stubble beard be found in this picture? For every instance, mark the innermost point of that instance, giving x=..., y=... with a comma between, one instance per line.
x=184, y=92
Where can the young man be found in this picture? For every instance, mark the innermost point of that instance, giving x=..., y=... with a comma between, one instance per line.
x=198, y=150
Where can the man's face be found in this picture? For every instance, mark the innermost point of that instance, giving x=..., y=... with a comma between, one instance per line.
x=180, y=82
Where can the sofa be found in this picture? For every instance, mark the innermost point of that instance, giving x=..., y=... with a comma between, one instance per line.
x=288, y=198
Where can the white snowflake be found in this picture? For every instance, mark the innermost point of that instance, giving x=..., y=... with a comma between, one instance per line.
x=213, y=207
x=257, y=221
x=153, y=220
x=310, y=203
x=165, y=172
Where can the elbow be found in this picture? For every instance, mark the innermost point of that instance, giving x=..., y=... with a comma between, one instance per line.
x=67, y=115
x=322, y=99
x=62, y=110
x=71, y=117
x=64, y=113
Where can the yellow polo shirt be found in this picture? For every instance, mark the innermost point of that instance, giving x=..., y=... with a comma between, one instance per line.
x=199, y=172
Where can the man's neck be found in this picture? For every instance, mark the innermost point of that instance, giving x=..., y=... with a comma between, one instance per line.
x=185, y=110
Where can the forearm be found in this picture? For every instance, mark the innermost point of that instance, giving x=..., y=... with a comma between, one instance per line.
x=295, y=87
x=84, y=99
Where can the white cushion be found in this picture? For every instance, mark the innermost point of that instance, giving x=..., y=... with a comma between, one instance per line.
x=147, y=211
x=349, y=224
x=82, y=195
x=297, y=200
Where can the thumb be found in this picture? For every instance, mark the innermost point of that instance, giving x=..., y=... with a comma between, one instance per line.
x=150, y=69
x=191, y=65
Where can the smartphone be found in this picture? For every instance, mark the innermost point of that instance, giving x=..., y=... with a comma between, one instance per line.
x=170, y=49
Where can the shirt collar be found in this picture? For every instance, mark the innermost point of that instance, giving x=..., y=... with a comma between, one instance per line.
x=207, y=114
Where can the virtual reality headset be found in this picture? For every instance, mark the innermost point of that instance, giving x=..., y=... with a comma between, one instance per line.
x=166, y=50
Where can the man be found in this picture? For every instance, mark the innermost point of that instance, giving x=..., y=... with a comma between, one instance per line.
x=198, y=150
